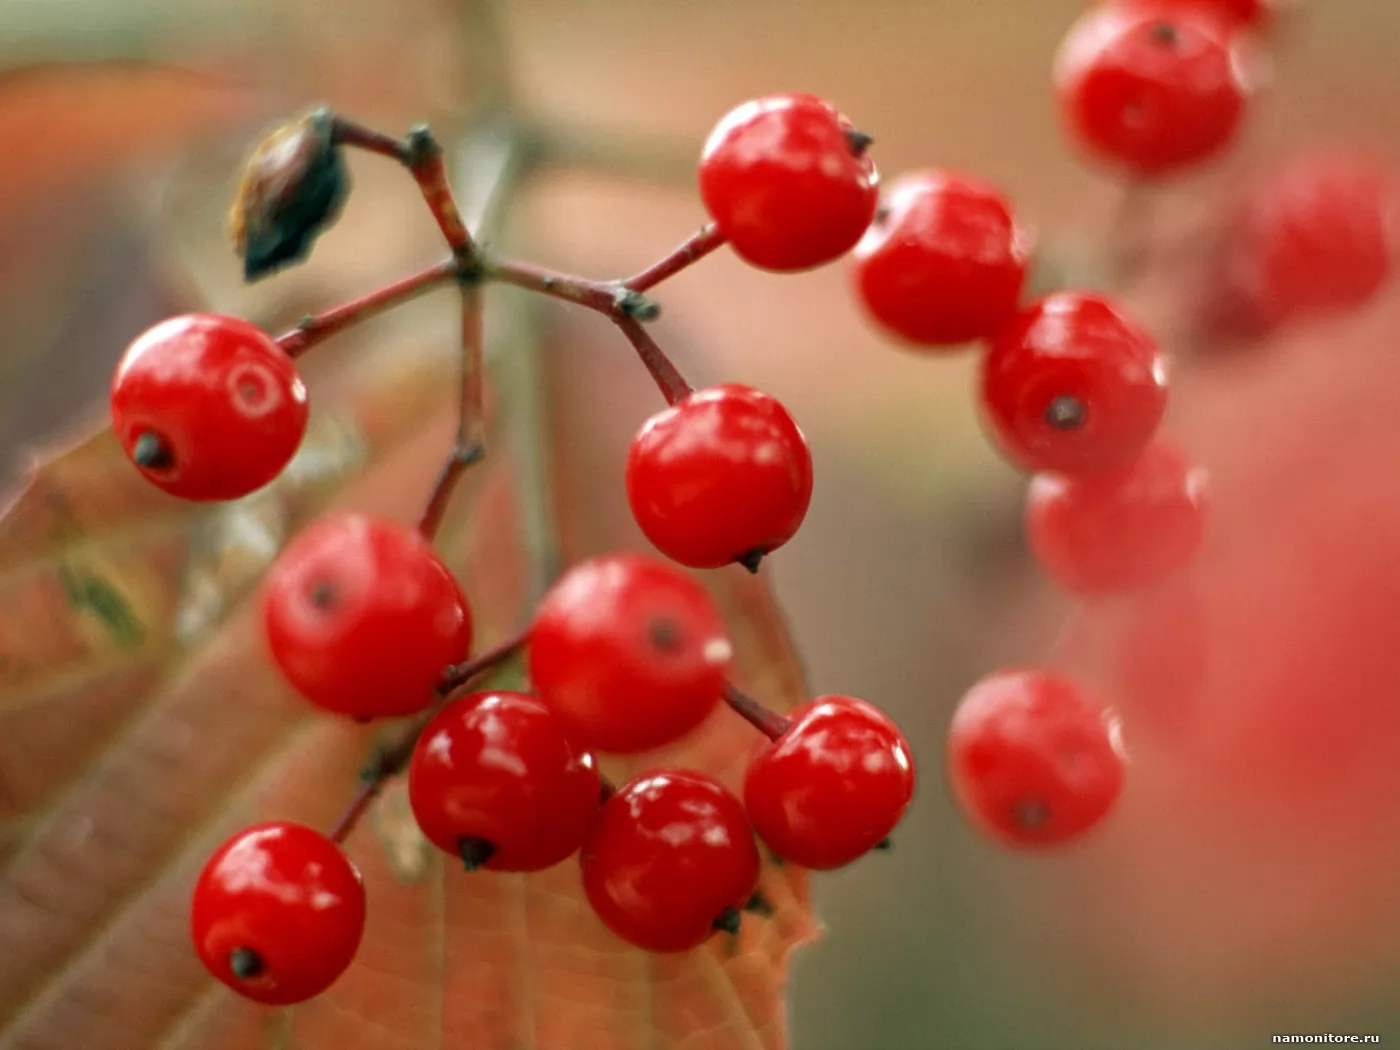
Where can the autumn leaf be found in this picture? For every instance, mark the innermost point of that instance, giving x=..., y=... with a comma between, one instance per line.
x=141, y=722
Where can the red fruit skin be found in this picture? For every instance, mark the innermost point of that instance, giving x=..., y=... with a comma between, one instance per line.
x=391, y=617
x=629, y=653
x=721, y=474
x=669, y=852
x=833, y=786
x=497, y=767
x=1119, y=531
x=1080, y=346
x=222, y=397
x=1316, y=235
x=1151, y=89
x=780, y=177
x=944, y=262
x=1031, y=758
x=288, y=893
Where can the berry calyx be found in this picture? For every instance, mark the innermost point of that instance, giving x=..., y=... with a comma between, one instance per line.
x=1032, y=759
x=944, y=261
x=1316, y=235
x=362, y=618
x=278, y=913
x=208, y=407
x=833, y=786
x=789, y=181
x=670, y=857
x=494, y=781
x=1118, y=531
x=629, y=652
x=1152, y=88
x=722, y=475
x=1072, y=385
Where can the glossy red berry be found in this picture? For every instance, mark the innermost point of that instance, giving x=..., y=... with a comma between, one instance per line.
x=1315, y=235
x=1074, y=386
x=278, y=913
x=494, y=781
x=629, y=652
x=789, y=181
x=1126, y=529
x=670, y=856
x=1032, y=758
x=362, y=617
x=1151, y=89
x=833, y=786
x=722, y=475
x=208, y=407
x=944, y=261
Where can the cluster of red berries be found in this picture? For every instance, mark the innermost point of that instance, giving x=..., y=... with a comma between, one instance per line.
x=626, y=653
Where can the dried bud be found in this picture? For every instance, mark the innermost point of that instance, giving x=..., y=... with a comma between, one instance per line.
x=292, y=190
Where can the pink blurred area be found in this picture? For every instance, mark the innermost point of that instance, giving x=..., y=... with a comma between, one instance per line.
x=1246, y=885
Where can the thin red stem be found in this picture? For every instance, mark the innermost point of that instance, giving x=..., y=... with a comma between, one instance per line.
x=596, y=295
x=320, y=327
x=769, y=723
x=348, y=133
x=668, y=378
x=692, y=251
x=390, y=761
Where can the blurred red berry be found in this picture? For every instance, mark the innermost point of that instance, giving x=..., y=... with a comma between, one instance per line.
x=944, y=261
x=1315, y=235
x=1151, y=89
x=1032, y=758
x=1118, y=531
x=789, y=181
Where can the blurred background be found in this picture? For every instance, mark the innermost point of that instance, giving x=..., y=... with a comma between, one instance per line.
x=1246, y=885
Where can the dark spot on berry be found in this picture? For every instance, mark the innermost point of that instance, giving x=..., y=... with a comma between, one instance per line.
x=245, y=963
x=151, y=453
x=664, y=635
x=324, y=595
x=1065, y=412
x=474, y=852
x=363, y=720
x=729, y=920
x=885, y=845
x=751, y=560
x=1165, y=34
x=859, y=142
x=882, y=214
x=1030, y=813
x=250, y=391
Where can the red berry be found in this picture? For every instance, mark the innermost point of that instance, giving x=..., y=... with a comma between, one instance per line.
x=1032, y=759
x=1152, y=88
x=722, y=475
x=944, y=261
x=1074, y=386
x=278, y=913
x=493, y=780
x=630, y=653
x=363, y=618
x=670, y=856
x=789, y=181
x=208, y=407
x=833, y=786
x=1118, y=531
x=1317, y=234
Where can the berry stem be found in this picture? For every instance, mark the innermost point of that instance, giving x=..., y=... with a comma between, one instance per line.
x=695, y=248
x=1129, y=240
x=320, y=327
x=668, y=378
x=769, y=723
x=390, y=760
